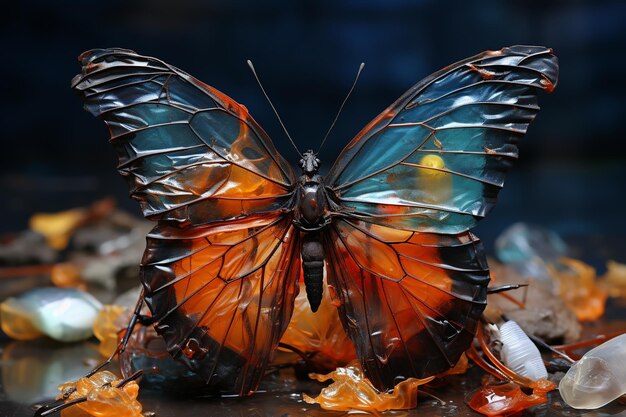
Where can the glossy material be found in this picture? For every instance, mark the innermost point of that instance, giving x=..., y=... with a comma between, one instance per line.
x=220, y=268
x=319, y=335
x=506, y=399
x=32, y=370
x=64, y=314
x=519, y=353
x=615, y=279
x=579, y=287
x=352, y=391
x=147, y=351
x=190, y=154
x=598, y=378
x=523, y=243
x=104, y=398
x=529, y=251
x=223, y=295
x=409, y=301
x=471, y=115
x=107, y=325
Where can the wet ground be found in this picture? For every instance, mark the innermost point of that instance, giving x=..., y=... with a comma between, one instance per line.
x=30, y=372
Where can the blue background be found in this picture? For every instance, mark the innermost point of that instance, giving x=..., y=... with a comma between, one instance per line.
x=572, y=167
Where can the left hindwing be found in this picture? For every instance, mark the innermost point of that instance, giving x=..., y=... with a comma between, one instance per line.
x=410, y=277
x=222, y=295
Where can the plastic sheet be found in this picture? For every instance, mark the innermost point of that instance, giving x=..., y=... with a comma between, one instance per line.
x=507, y=398
x=352, y=391
x=104, y=397
x=320, y=335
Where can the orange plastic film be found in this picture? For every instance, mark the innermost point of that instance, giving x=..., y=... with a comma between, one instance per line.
x=320, y=335
x=104, y=398
x=579, y=288
x=351, y=390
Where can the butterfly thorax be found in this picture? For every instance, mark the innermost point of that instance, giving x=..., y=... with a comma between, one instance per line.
x=311, y=213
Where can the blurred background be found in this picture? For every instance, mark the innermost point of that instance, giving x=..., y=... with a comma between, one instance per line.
x=572, y=163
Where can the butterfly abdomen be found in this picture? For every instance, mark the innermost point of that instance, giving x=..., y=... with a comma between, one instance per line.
x=313, y=266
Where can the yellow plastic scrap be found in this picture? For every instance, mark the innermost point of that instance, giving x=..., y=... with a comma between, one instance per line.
x=104, y=399
x=58, y=227
x=351, y=390
x=615, y=279
x=579, y=289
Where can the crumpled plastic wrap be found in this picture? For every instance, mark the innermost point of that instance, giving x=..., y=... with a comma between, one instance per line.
x=319, y=335
x=578, y=287
x=104, y=398
x=351, y=390
x=508, y=398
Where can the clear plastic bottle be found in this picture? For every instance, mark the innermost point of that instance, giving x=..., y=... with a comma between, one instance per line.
x=598, y=378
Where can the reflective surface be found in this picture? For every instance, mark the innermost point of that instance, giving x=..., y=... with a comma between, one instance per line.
x=30, y=372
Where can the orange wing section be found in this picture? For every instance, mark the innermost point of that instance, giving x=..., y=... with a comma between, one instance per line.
x=409, y=301
x=223, y=295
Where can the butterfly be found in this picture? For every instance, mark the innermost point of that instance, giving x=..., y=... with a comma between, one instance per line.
x=388, y=227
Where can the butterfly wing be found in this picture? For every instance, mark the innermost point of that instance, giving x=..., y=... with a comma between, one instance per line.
x=220, y=267
x=223, y=295
x=410, y=276
x=458, y=126
x=409, y=301
x=190, y=154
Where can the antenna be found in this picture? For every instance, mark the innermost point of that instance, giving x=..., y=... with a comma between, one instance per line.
x=342, y=104
x=273, y=108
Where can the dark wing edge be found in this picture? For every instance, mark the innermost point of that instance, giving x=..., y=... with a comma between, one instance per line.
x=190, y=154
x=459, y=126
x=410, y=302
x=222, y=295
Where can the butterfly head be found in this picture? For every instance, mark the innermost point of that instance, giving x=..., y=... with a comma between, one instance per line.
x=309, y=163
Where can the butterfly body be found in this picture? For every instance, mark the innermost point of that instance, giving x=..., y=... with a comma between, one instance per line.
x=312, y=214
x=388, y=226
